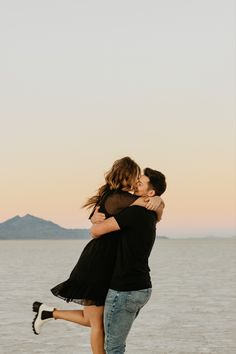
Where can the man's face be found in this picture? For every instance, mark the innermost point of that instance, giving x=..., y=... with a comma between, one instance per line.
x=142, y=188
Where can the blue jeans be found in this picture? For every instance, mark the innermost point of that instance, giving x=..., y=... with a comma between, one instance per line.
x=121, y=309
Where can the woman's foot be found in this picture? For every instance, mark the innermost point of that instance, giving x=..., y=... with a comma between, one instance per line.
x=44, y=314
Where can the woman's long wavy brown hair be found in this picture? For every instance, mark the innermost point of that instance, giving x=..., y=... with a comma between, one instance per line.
x=121, y=176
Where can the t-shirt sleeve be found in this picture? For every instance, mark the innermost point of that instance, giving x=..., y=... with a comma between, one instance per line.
x=117, y=202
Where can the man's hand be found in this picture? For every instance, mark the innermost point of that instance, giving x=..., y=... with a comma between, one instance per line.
x=97, y=217
x=153, y=203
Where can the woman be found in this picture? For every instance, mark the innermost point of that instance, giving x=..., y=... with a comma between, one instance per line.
x=89, y=280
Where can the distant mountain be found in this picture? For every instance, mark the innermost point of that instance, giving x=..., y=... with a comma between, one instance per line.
x=30, y=227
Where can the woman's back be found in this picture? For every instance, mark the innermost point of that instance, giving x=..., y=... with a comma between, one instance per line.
x=90, y=279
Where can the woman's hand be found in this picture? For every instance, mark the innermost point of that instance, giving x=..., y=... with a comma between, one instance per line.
x=97, y=217
x=156, y=204
x=153, y=203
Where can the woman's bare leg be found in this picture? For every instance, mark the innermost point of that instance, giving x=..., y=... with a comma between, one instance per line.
x=91, y=316
x=76, y=316
x=95, y=316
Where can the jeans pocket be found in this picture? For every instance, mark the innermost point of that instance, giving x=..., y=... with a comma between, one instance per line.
x=137, y=299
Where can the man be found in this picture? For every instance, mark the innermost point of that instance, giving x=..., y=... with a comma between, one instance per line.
x=130, y=287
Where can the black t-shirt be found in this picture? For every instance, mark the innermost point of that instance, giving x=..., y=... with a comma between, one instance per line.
x=137, y=236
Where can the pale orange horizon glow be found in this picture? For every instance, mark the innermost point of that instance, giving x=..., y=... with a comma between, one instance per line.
x=85, y=85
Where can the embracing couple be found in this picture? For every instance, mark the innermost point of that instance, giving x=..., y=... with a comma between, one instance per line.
x=111, y=278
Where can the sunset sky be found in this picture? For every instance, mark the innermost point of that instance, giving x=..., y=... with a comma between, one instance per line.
x=84, y=83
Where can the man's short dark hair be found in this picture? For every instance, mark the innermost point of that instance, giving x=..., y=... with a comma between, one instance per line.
x=157, y=180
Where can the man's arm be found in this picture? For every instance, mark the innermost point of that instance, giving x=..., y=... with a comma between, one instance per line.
x=159, y=211
x=104, y=227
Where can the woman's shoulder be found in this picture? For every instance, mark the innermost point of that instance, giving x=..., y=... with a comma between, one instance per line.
x=120, y=192
x=118, y=200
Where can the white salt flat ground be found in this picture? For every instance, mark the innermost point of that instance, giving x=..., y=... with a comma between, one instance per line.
x=192, y=309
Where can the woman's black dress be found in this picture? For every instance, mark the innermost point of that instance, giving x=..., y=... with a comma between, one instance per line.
x=89, y=281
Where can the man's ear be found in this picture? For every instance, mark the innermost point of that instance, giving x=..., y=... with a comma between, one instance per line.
x=151, y=193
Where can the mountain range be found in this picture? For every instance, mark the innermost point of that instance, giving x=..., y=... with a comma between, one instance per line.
x=29, y=227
